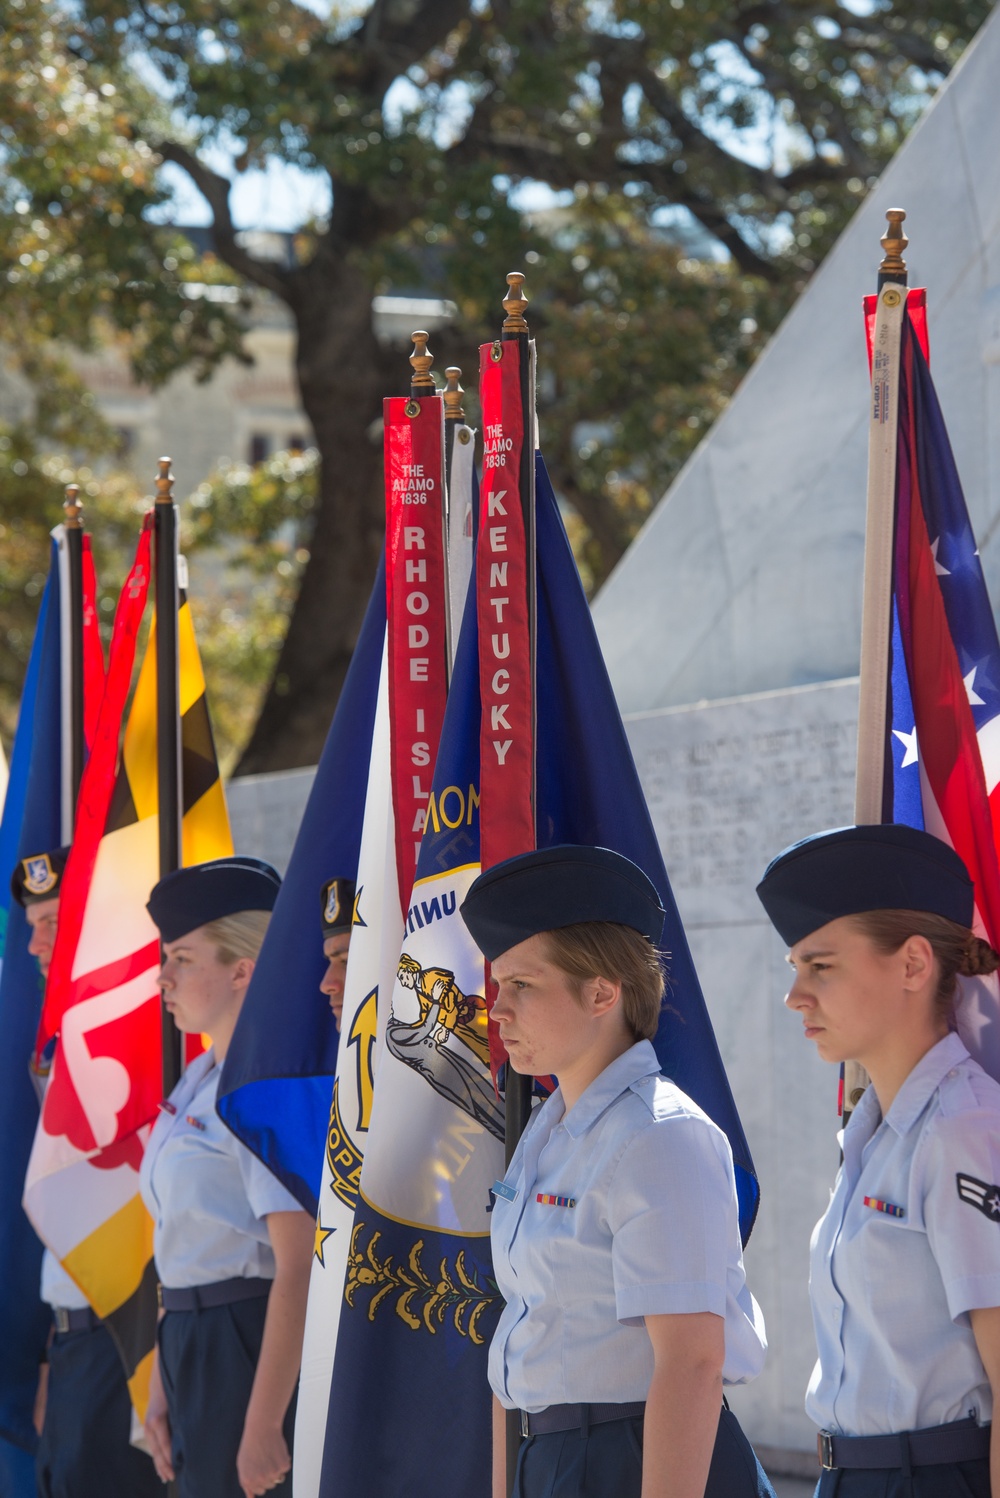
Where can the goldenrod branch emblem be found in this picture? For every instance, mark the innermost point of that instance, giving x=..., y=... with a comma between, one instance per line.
x=420, y=1300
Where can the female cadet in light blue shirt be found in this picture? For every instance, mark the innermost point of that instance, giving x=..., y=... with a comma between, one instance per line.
x=231, y=1246
x=615, y=1230
x=905, y=1264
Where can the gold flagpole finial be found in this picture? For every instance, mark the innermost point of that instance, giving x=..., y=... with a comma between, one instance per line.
x=73, y=508
x=894, y=242
x=453, y=394
x=422, y=381
x=514, y=304
x=164, y=483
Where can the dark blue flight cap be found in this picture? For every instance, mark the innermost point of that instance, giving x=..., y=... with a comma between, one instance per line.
x=38, y=876
x=854, y=869
x=189, y=898
x=336, y=903
x=555, y=887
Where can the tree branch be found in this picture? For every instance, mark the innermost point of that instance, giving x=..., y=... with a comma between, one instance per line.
x=215, y=190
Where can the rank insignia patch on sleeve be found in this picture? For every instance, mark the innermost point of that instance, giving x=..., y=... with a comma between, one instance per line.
x=979, y=1194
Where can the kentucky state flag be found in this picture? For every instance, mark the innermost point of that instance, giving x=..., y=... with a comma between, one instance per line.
x=409, y=1407
x=82, y=1185
x=277, y=1078
x=943, y=743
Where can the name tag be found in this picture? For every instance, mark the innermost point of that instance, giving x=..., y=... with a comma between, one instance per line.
x=500, y=1188
x=555, y=1201
x=880, y=1206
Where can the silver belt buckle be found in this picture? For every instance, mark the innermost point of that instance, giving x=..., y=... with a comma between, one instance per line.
x=61, y=1318
x=525, y=1432
x=824, y=1447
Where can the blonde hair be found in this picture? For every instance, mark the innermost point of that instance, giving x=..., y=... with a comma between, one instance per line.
x=239, y=935
x=958, y=952
x=604, y=949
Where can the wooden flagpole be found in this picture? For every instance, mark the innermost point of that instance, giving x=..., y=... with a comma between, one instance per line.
x=422, y=387
x=454, y=411
x=880, y=525
x=73, y=526
x=517, y=1088
x=168, y=723
x=457, y=501
x=517, y=1092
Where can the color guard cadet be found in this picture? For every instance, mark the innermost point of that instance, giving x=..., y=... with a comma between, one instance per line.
x=905, y=1263
x=232, y=1247
x=83, y=1411
x=615, y=1230
x=337, y=916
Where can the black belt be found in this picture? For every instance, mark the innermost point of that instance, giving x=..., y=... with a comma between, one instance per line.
x=959, y=1441
x=219, y=1293
x=576, y=1417
x=76, y=1320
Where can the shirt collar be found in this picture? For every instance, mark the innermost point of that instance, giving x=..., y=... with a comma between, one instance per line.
x=911, y=1099
x=631, y=1066
x=923, y=1081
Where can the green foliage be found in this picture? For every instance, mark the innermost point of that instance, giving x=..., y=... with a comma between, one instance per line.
x=243, y=534
x=698, y=159
x=78, y=255
x=32, y=481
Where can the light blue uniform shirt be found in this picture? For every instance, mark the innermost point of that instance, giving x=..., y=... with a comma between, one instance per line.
x=653, y=1230
x=57, y=1289
x=890, y=1290
x=207, y=1194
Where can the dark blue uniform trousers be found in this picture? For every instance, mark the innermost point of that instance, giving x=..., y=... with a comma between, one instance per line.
x=208, y=1359
x=607, y=1463
x=943, y=1480
x=84, y=1450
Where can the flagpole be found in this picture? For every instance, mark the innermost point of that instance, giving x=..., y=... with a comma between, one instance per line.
x=517, y=1087
x=168, y=723
x=421, y=360
x=454, y=415
x=422, y=387
x=876, y=611
x=517, y=1091
x=73, y=524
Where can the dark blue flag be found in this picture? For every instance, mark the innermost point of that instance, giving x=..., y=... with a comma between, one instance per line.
x=31, y=824
x=588, y=791
x=409, y=1407
x=277, y=1078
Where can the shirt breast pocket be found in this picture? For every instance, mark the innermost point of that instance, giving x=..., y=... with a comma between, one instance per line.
x=893, y=1255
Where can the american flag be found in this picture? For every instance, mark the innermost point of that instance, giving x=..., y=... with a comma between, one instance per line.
x=943, y=743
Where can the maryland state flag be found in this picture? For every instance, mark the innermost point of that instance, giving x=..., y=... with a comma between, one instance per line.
x=82, y=1188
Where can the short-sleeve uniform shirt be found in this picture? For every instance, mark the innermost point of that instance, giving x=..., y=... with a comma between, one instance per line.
x=909, y=1244
x=207, y=1194
x=622, y=1208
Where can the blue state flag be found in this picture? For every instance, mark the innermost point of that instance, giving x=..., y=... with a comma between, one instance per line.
x=31, y=823
x=409, y=1407
x=277, y=1078
x=588, y=791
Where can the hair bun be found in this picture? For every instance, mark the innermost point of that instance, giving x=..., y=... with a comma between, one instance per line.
x=979, y=959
